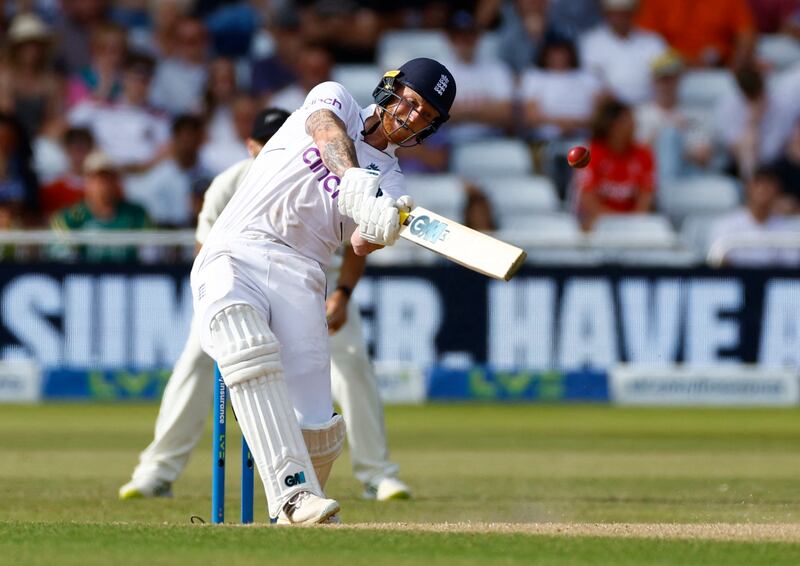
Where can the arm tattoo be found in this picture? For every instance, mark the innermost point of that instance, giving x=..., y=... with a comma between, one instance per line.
x=339, y=154
x=330, y=135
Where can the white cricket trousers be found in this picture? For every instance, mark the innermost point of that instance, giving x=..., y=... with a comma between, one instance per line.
x=189, y=394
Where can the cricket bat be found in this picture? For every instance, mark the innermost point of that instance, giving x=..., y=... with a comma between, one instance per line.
x=465, y=246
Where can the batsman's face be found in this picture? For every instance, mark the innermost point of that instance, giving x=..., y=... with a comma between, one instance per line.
x=407, y=115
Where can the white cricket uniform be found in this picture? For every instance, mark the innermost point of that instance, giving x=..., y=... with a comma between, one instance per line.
x=273, y=240
x=184, y=405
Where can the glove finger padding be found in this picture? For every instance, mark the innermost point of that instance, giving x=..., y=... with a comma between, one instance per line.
x=380, y=220
x=390, y=220
x=405, y=203
x=350, y=201
x=356, y=185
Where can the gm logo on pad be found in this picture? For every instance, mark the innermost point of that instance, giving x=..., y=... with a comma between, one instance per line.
x=427, y=228
x=295, y=479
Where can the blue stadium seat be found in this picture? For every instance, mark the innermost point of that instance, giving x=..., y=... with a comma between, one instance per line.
x=647, y=230
x=498, y=157
x=395, y=47
x=443, y=194
x=561, y=227
x=519, y=196
x=695, y=232
x=359, y=80
x=700, y=194
x=704, y=88
x=779, y=50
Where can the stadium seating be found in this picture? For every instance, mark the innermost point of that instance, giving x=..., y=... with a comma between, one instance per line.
x=695, y=232
x=778, y=50
x=398, y=46
x=498, y=157
x=646, y=230
x=359, y=80
x=704, y=88
x=395, y=47
x=489, y=46
x=443, y=194
x=701, y=194
x=519, y=196
x=557, y=227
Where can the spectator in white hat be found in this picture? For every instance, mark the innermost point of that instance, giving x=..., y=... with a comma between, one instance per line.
x=29, y=87
x=102, y=208
x=680, y=141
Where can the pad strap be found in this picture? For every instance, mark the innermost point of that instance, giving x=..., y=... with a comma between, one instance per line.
x=325, y=442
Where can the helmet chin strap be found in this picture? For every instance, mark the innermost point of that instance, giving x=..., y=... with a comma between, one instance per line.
x=374, y=127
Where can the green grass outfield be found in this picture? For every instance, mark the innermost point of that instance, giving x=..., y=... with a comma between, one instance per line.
x=535, y=466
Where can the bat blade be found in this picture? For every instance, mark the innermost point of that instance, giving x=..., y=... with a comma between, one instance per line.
x=465, y=246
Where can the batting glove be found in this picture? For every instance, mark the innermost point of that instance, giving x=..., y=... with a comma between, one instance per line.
x=405, y=203
x=380, y=220
x=356, y=185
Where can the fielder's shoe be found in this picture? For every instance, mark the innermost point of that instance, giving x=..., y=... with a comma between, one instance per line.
x=145, y=488
x=305, y=508
x=387, y=489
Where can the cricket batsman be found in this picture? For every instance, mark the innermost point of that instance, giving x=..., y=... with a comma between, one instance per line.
x=188, y=395
x=259, y=285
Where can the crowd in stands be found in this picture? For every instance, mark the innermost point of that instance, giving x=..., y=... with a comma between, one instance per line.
x=118, y=114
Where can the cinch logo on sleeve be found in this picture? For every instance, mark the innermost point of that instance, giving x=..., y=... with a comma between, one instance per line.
x=328, y=181
x=330, y=101
x=295, y=479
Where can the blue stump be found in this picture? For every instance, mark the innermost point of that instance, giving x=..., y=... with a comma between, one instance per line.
x=218, y=449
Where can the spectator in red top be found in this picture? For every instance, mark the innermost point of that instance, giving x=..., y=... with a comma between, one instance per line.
x=67, y=190
x=620, y=177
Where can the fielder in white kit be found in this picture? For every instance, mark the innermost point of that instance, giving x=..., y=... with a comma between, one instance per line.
x=184, y=406
x=259, y=283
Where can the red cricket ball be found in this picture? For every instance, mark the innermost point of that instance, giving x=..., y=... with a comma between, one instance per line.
x=578, y=157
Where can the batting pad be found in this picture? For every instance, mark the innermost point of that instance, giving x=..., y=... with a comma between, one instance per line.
x=248, y=356
x=325, y=442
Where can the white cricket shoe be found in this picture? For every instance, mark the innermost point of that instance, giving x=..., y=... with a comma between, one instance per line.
x=387, y=489
x=145, y=489
x=332, y=520
x=305, y=508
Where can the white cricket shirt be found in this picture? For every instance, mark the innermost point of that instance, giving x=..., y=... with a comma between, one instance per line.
x=218, y=195
x=289, y=196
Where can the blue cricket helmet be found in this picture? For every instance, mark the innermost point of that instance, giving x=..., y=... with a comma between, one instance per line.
x=428, y=78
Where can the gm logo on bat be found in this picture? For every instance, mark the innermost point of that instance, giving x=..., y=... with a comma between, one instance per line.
x=427, y=228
